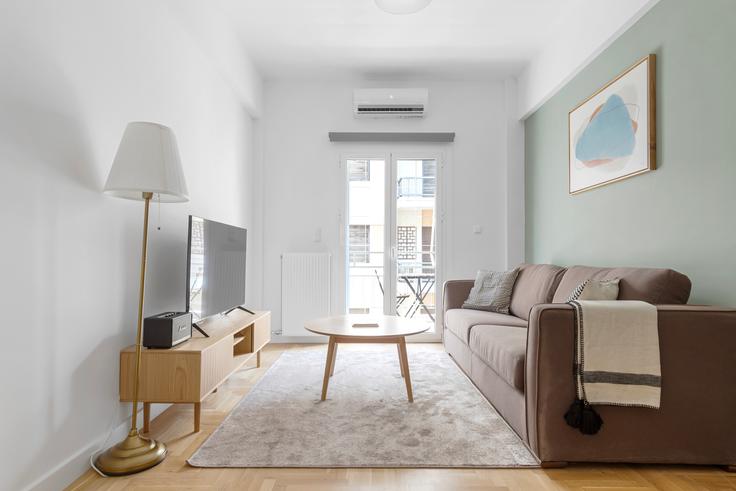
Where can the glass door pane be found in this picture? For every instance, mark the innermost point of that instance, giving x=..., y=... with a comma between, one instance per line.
x=414, y=247
x=365, y=245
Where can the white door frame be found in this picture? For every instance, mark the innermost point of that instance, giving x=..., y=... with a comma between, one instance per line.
x=390, y=152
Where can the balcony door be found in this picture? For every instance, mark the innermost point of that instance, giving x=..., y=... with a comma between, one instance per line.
x=392, y=231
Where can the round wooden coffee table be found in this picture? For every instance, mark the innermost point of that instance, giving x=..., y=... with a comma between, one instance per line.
x=366, y=329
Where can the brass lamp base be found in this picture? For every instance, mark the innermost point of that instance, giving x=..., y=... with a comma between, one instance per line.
x=134, y=454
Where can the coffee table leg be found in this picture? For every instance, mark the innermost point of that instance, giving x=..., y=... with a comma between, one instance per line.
x=401, y=358
x=405, y=363
x=328, y=366
x=334, y=357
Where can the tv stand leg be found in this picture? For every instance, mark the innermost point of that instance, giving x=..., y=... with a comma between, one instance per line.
x=197, y=414
x=258, y=359
x=146, y=417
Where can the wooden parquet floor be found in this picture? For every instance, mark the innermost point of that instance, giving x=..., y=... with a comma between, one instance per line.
x=174, y=427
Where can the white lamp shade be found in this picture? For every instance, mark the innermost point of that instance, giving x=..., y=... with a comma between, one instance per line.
x=402, y=6
x=147, y=161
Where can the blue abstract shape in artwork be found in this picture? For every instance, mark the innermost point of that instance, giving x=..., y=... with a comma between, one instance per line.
x=609, y=134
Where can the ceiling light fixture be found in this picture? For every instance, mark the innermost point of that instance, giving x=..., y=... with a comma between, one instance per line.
x=402, y=6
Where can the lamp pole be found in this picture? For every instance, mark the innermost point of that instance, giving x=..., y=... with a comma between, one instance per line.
x=141, y=295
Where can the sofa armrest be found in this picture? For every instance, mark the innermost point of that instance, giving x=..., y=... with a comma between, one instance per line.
x=455, y=293
x=694, y=423
x=548, y=377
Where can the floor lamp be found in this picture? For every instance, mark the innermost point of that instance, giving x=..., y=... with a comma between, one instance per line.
x=146, y=164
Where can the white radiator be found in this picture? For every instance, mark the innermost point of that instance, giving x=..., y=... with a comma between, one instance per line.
x=305, y=290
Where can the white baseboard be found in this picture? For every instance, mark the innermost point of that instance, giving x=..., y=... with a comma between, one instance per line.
x=69, y=470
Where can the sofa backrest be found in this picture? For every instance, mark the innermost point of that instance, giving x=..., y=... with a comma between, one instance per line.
x=656, y=286
x=535, y=284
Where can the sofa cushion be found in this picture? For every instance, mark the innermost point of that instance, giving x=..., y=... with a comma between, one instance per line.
x=656, y=286
x=461, y=321
x=535, y=284
x=502, y=348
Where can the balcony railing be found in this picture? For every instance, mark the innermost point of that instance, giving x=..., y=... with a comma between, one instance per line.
x=417, y=187
x=362, y=259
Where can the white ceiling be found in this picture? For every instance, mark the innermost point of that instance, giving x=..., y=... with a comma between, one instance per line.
x=454, y=39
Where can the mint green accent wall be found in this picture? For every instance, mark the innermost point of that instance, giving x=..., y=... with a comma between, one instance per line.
x=682, y=214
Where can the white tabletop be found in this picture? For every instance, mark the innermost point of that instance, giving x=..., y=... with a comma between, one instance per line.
x=388, y=326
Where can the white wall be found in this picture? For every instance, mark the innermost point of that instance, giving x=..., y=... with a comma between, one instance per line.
x=73, y=74
x=592, y=25
x=304, y=186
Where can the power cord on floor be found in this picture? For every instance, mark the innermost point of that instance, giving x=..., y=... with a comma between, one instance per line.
x=92, y=464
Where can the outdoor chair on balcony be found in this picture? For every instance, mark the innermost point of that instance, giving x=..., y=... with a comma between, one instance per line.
x=400, y=298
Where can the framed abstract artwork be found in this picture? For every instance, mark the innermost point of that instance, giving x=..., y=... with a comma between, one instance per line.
x=612, y=134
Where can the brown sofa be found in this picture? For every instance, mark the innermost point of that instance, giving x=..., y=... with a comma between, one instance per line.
x=522, y=363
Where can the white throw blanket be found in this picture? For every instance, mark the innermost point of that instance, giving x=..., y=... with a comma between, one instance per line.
x=617, y=353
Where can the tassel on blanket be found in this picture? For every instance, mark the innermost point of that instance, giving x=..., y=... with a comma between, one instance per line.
x=574, y=415
x=591, y=421
x=582, y=416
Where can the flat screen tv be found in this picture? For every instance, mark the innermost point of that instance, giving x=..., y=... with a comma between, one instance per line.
x=215, y=267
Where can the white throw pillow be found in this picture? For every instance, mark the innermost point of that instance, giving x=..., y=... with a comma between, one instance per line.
x=595, y=290
x=492, y=291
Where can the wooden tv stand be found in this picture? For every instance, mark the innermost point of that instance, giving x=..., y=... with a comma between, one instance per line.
x=189, y=372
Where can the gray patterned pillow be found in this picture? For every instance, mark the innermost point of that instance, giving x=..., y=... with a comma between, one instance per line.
x=492, y=291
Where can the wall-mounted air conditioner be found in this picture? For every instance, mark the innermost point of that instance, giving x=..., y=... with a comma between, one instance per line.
x=390, y=103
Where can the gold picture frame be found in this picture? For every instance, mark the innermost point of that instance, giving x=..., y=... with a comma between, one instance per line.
x=602, y=147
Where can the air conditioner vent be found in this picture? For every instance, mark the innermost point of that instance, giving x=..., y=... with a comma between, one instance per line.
x=406, y=109
x=400, y=103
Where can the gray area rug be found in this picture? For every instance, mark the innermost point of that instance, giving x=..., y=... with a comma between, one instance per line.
x=366, y=420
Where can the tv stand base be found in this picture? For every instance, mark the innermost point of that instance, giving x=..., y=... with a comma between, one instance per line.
x=240, y=307
x=194, y=325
